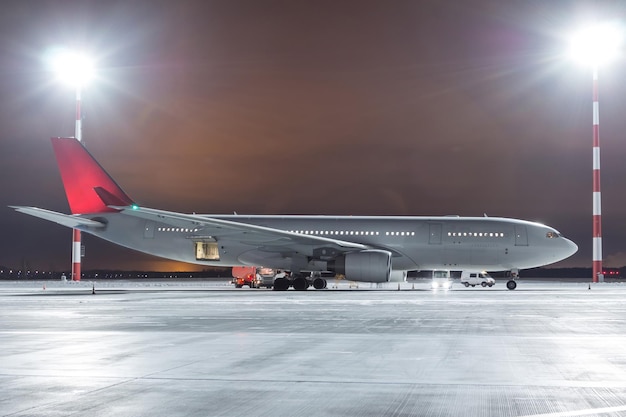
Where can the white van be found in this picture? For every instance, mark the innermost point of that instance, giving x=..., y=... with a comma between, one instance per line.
x=474, y=278
x=441, y=279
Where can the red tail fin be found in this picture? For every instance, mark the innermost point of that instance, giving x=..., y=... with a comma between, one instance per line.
x=88, y=187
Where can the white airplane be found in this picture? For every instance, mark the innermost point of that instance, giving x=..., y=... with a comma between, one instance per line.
x=362, y=248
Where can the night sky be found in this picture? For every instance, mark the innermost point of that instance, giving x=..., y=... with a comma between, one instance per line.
x=312, y=107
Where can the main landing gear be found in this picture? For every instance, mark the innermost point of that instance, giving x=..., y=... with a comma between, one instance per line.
x=299, y=283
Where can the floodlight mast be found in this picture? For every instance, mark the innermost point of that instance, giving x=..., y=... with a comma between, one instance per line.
x=76, y=235
x=595, y=46
x=76, y=70
x=596, y=259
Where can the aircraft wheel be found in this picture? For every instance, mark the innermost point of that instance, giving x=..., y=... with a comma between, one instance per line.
x=281, y=284
x=473, y=285
x=319, y=283
x=238, y=286
x=466, y=284
x=484, y=284
x=511, y=285
x=300, y=284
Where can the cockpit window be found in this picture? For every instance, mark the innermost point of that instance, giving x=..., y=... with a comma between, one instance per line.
x=553, y=235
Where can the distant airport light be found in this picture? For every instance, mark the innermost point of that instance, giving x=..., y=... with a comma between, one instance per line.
x=596, y=45
x=73, y=68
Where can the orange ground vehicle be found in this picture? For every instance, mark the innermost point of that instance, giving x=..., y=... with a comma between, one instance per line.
x=253, y=277
x=244, y=275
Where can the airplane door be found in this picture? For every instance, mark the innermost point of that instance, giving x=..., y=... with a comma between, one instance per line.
x=434, y=237
x=521, y=238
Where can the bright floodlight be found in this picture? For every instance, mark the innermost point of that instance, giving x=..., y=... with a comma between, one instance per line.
x=73, y=68
x=596, y=45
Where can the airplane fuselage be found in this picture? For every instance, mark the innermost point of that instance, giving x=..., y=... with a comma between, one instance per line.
x=455, y=243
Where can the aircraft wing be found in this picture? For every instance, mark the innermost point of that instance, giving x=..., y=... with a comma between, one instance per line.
x=266, y=239
x=67, y=220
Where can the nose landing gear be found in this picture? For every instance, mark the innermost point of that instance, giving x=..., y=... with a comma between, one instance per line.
x=511, y=284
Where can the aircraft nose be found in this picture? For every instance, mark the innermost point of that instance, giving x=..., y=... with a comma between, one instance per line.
x=570, y=248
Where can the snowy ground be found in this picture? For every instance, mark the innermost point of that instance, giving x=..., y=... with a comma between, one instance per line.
x=203, y=348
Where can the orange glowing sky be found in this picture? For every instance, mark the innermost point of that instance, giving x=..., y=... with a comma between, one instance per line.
x=312, y=107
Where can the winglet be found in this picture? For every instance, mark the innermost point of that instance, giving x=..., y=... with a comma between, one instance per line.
x=88, y=187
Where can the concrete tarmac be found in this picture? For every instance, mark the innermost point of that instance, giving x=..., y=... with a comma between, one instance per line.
x=205, y=349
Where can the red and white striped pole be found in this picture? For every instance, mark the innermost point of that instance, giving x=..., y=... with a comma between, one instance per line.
x=76, y=252
x=78, y=128
x=597, y=207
